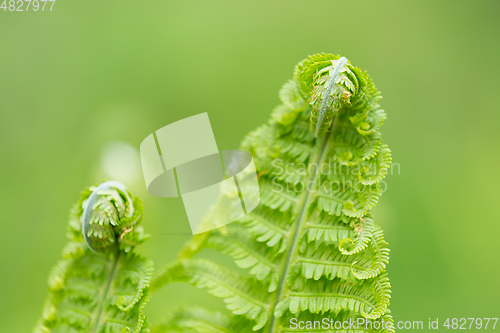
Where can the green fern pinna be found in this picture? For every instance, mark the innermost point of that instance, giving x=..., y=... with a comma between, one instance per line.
x=309, y=251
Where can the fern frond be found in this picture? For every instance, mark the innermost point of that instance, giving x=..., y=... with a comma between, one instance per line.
x=290, y=97
x=243, y=295
x=249, y=254
x=106, y=292
x=311, y=247
x=266, y=226
x=328, y=228
x=351, y=147
x=369, y=122
x=363, y=261
x=369, y=298
x=363, y=236
x=261, y=143
x=375, y=169
x=372, y=264
x=202, y=321
x=297, y=150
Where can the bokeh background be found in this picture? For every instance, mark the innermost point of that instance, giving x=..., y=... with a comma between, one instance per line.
x=83, y=85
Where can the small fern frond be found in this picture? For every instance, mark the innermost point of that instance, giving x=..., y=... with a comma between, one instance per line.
x=370, y=298
x=363, y=236
x=106, y=292
x=364, y=261
x=328, y=228
x=243, y=295
x=282, y=200
x=263, y=224
x=374, y=262
x=374, y=170
x=200, y=320
x=249, y=254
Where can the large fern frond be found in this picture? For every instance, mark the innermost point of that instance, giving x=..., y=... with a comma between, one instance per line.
x=311, y=248
x=106, y=292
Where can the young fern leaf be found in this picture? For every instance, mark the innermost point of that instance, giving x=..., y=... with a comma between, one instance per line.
x=201, y=320
x=105, y=291
x=311, y=249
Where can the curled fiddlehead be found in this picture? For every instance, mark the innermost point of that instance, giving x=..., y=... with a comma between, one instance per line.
x=100, y=285
x=109, y=218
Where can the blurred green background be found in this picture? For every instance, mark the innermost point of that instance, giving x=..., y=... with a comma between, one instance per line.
x=83, y=85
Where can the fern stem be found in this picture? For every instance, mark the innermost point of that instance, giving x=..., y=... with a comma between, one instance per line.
x=331, y=83
x=100, y=305
x=296, y=231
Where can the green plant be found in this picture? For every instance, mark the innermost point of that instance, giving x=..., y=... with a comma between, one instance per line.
x=310, y=249
x=104, y=291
